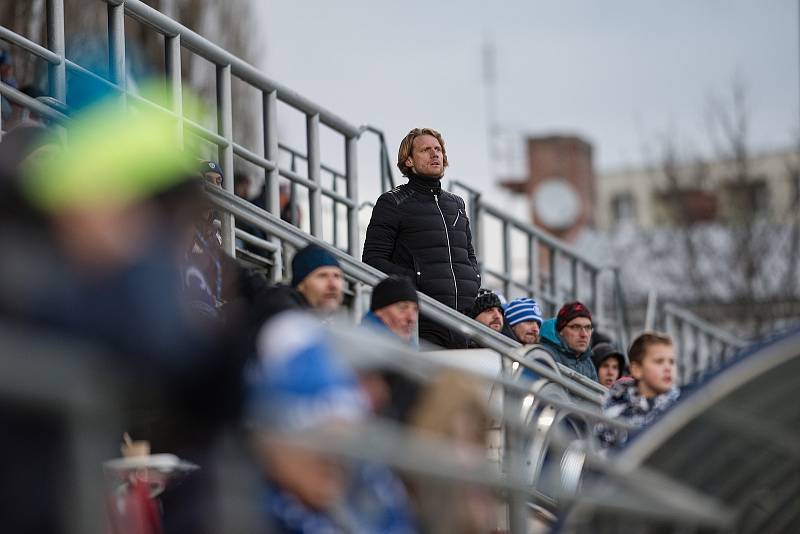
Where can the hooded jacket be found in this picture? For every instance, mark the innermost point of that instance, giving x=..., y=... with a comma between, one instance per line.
x=555, y=344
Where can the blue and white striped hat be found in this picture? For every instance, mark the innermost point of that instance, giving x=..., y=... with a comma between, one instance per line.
x=521, y=310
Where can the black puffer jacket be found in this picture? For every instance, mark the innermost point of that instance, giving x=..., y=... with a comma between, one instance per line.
x=421, y=231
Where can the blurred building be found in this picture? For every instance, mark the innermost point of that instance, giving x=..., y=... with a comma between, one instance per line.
x=566, y=196
x=721, y=191
x=560, y=184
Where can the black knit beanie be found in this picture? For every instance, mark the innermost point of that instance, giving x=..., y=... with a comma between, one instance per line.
x=393, y=289
x=486, y=299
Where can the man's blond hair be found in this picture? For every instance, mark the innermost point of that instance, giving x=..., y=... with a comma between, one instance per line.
x=407, y=144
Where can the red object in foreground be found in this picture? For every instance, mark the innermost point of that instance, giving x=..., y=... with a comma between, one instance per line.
x=133, y=510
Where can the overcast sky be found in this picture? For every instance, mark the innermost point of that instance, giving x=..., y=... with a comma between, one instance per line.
x=618, y=73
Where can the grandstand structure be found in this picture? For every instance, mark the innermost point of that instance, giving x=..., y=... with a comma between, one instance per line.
x=548, y=474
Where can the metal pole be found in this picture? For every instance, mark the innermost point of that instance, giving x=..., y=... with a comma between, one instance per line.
x=594, y=288
x=293, y=194
x=116, y=45
x=172, y=66
x=514, y=459
x=475, y=228
x=334, y=206
x=225, y=129
x=351, y=170
x=55, y=42
x=314, y=195
x=272, y=202
x=506, y=257
x=534, y=267
x=575, y=274
x=650, y=315
x=554, y=277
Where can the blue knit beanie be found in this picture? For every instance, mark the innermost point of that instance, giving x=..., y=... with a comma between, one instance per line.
x=306, y=260
x=521, y=310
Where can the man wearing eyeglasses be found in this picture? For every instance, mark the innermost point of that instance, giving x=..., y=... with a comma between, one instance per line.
x=568, y=338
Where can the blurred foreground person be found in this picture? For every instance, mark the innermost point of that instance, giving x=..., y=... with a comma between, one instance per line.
x=98, y=235
x=394, y=308
x=299, y=385
x=452, y=407
x=650, y=394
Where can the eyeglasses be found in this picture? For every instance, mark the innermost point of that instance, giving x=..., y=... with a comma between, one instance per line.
x=581, y=328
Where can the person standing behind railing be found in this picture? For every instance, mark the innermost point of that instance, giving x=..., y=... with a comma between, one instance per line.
x=421, y=231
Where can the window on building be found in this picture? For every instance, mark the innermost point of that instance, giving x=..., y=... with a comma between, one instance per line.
x=745, y=200
x=623, y=208
x=685, y=206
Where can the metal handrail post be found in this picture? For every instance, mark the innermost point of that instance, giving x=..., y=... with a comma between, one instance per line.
x=351, y=171
x=116, y=45
x=595, y=301
x=172, y=66
x=476, y=228
x=55, y=43
x=506, y=258
x=272, y=202
x=335, y=206
x=313, y=164
x=225, y=129
x=575, y=275
x=554, y=277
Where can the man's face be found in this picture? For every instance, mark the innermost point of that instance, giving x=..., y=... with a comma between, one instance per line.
x=493, y=318
x=426, y=156
x=578, y=334
x=324, y=289
x=608, y=372
x=242, y=188
x=656, y=371
x=527, y=332
x=400, y=317
x=213, y=178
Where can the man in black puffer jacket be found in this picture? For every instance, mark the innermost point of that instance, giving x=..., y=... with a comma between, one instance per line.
x=421, y=231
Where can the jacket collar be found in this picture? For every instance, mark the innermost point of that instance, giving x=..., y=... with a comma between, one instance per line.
x=424, y=184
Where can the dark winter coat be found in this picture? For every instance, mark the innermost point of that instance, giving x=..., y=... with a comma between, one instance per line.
x=581, y=363
x=421, y=231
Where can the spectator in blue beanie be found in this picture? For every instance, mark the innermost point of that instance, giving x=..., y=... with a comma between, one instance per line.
x=299, y=384
x=316, y=274
x=525, y=319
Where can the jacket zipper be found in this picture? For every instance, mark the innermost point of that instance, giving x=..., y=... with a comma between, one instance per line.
x=449, y=253
x=458, y=213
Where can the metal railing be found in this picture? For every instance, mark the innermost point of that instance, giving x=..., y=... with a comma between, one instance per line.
x=287, y=234
x=228, y=67
x=554, y=272
x=701, y=347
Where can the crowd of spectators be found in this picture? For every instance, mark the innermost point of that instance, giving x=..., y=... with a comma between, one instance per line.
x=115, y=243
